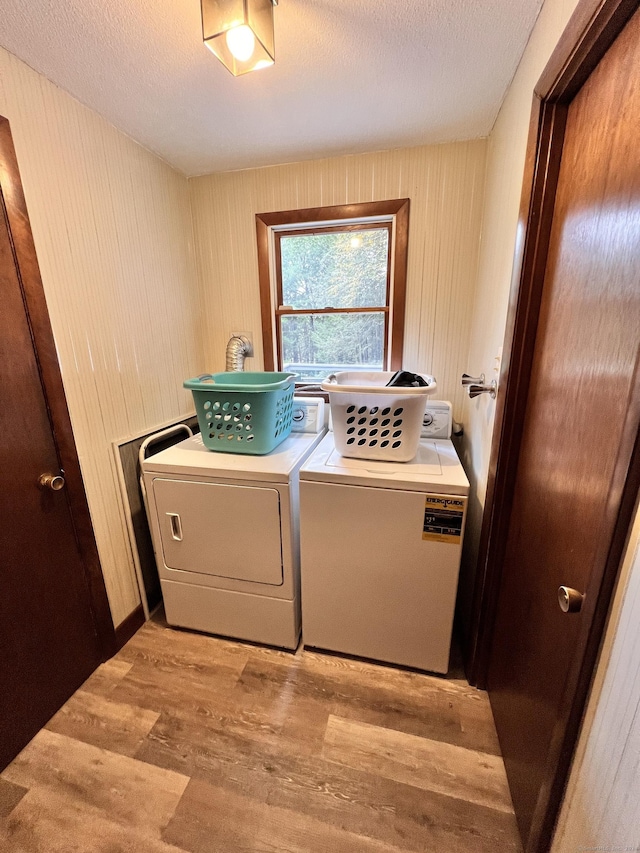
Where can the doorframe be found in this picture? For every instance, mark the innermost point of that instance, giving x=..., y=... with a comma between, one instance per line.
x=24, y=252
x=592, y=29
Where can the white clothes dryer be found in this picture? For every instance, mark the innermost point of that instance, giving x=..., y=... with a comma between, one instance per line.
x=226, y=535
x=380, y=548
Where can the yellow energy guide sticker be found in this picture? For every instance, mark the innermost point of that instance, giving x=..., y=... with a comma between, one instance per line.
x=443, y=519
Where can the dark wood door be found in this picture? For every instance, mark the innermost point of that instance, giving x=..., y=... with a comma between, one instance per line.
x=48, y=634
x=580, y=423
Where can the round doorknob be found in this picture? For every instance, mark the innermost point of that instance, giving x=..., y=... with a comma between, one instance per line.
x=55, y=482
x=570, y=600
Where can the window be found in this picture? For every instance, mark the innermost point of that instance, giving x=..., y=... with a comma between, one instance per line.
x=332, y=285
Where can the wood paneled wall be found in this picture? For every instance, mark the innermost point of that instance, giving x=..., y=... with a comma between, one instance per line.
x=112, y=227
x=444, y=183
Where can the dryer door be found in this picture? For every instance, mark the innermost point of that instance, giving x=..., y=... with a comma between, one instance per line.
x=224, y=530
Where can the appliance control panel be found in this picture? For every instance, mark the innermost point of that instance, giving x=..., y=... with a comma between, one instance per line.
x=437, y=420
x=308, y=414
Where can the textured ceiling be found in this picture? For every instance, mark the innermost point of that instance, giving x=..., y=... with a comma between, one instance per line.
x=350, y=75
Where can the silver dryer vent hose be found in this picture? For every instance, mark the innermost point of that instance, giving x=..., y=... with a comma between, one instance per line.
x=238, y=348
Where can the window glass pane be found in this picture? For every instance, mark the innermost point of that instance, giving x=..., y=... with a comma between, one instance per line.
x=347, y=269
x=319, y=344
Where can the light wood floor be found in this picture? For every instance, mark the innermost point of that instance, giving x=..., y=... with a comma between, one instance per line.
x=184, y=742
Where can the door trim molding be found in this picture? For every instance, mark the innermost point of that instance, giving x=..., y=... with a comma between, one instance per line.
x=592, y=29
x=49, y=368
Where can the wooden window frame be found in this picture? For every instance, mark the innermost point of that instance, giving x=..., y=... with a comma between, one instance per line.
x=271, y=227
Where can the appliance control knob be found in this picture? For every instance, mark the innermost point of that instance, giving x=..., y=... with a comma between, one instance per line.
x=298, y=415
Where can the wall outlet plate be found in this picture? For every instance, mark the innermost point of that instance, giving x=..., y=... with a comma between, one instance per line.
x=308, y=414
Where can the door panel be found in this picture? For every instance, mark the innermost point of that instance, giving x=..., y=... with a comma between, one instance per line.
x=573, y=459
x=47, y=632
x=220, y=529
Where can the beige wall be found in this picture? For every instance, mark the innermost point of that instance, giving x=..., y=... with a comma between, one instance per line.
x=444, y=183
x=601, y=806
x=112, y=229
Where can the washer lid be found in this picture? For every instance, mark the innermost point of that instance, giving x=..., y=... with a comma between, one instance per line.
x=191, y=457
x=435, y=468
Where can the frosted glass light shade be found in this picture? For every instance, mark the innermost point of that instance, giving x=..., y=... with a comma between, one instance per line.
x=228, y=27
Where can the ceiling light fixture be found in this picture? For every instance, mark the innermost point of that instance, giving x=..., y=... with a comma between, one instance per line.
x=239, y=33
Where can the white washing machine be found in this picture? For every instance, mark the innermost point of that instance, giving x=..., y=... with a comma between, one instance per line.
x=380, y=548
x=226, y=536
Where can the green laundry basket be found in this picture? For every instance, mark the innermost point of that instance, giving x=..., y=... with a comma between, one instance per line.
x=242, y=412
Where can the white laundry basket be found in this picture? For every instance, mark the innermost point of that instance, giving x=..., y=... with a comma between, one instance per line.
x=373, y=421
